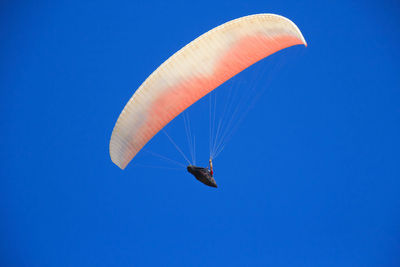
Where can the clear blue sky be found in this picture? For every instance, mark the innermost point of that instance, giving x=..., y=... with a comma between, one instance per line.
x=311, y=177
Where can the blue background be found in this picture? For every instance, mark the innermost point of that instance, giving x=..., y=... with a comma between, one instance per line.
x=310, y=178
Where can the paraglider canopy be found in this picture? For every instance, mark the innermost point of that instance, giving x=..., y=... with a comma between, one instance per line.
x=193, y=72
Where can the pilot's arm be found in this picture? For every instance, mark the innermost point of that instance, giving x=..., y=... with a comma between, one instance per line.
x=211, y=168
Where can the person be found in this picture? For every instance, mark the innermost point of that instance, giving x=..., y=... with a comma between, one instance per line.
x=204, y=175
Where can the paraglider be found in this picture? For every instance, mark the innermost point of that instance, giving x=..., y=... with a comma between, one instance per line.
x=193, y=72
x=204, y=175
